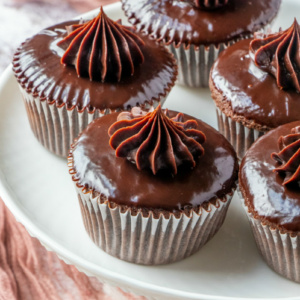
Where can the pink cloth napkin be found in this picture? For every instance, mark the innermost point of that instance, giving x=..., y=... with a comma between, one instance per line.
x=29, y=272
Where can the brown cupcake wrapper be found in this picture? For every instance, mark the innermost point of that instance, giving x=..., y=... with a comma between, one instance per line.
x=281, y=251
x=239, y=136
x=56, y=126
x=149, y=240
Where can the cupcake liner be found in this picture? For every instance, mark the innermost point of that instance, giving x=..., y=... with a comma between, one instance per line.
x=56, y=126
x=240, y=136
x=195, y=62
x=281, y=251
x=149, y=240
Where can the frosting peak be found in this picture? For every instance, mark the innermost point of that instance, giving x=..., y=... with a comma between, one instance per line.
x=153, y=140
x=289, y=156
x=279, y=55
x=210, y=4
x=102, y=49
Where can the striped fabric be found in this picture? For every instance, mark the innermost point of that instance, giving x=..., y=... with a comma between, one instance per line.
x=29, y=272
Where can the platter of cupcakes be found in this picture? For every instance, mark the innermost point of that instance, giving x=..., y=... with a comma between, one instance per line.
x=122, y=147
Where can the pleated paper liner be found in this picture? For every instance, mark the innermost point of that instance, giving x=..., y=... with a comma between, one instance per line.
x=147, y=237
x=281, y=251
x=56, y=126
x=195, y=62
x=240, y=136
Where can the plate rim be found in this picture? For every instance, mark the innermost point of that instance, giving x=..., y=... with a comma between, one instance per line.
x=122, y=281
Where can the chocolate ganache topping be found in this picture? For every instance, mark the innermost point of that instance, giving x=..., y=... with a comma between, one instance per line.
x=153, y=140
x=289, y=156
x=209, y=4
x=102, y=49
x=279, y=55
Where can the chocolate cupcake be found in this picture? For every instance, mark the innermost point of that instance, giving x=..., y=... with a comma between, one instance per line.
x=197, y=31
x=74, y=72
x=255, y=86
x=153, y=188
x=270, y=188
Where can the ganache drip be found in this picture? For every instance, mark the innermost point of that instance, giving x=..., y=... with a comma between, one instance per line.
x=153, y=140
x=102, y=49
x=210, y=4
x=289, y=156
x=279, y=55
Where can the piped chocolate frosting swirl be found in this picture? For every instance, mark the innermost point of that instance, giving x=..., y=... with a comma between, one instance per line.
x=210, y=4
x=102, y=49
x=289, y=156
x=153, y=140
x=279, y=55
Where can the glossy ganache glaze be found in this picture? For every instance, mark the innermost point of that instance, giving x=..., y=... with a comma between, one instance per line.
x=37, y=67
x=96, y=167
x=250, y=95
x=179, y=21
x=266, y=197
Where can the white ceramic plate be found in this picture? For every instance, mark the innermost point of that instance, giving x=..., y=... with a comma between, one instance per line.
x=36, y=187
